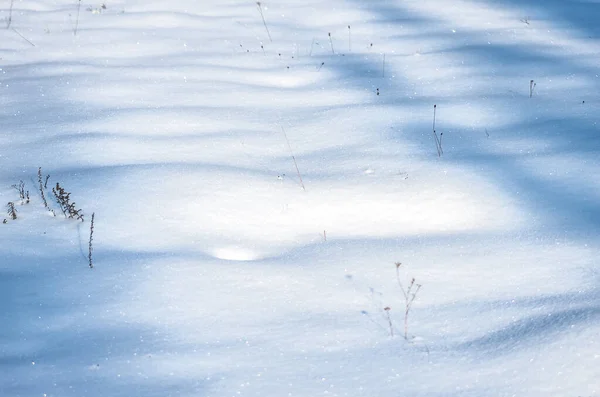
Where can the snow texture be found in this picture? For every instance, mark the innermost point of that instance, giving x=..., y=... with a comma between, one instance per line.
x=216, y=274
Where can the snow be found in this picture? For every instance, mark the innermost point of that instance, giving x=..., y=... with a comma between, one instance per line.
x=216, y=274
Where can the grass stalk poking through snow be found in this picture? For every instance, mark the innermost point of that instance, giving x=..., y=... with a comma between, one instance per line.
x=23, y=37
x=23, y=195
x=331, y=42
x=63, y=198
x=293, y=158
x=90, y=247
x=409, y=296
x=438, y=140
x=41, y=187
x=532, y=85
x=77, y=18
x=10, y=10
x=263, y=19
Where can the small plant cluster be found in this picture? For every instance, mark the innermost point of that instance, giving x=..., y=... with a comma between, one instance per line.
x=63, y=198
x=409, y=294
x=11, y=209
x=23, y=195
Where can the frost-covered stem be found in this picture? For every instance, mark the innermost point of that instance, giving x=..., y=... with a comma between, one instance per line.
x=91, y=240
x=263, y=19
x=331, y=42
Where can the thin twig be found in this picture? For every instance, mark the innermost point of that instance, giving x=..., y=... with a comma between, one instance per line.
x=331, y=42
x=23, y=37
x=293, y=158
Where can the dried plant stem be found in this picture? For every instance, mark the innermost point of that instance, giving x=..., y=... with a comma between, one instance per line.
x=23, y=37
x=10, y=11
x=532, y=85
x=331, y=43
x=263, y=19
x=42, y=188
x=77, y=18
x=11, y=210
x=91, y=264
x=293, y=158
x=438, y=140
x=409, y=296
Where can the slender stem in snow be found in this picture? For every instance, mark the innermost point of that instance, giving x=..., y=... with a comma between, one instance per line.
x=263, y=19
x=77, y=19
x=293, y=158
x=437, y=142
x=9, y=21
x=91, y=239
x=331, y=42
x=389, y=318
x=23, y=37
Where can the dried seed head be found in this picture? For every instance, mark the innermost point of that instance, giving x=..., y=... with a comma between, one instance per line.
x=387, y=308
x=398, y=264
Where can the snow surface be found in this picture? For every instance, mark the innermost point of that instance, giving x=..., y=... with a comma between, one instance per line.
x=217, y=274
